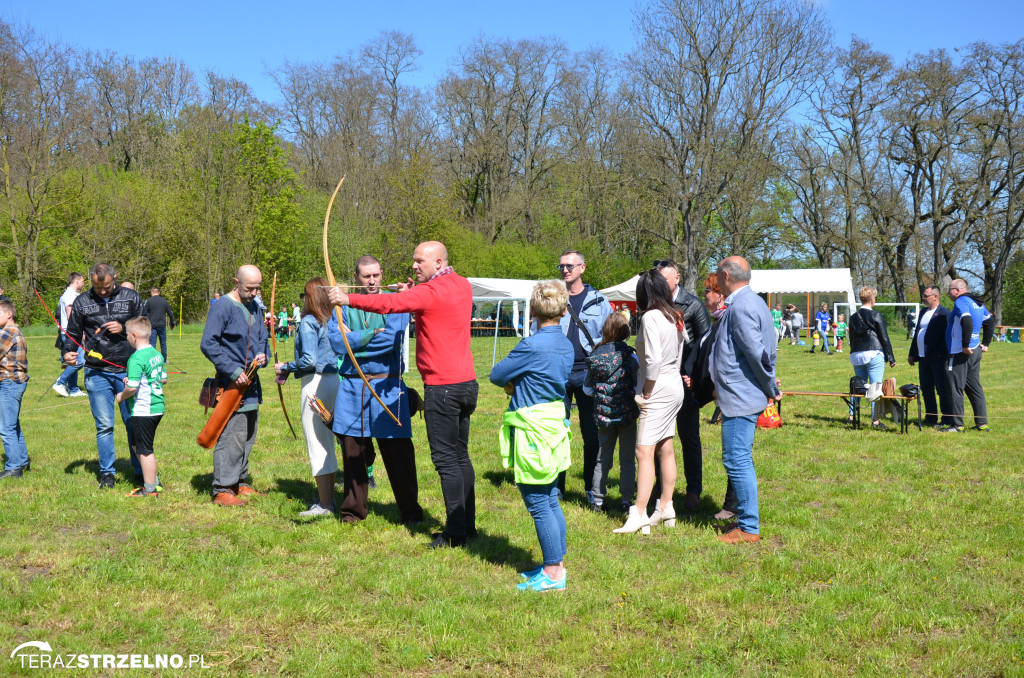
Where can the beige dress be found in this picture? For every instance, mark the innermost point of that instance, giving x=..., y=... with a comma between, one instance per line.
x=659, y=347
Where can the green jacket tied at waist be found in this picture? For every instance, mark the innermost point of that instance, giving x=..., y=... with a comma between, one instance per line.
x=540, y=449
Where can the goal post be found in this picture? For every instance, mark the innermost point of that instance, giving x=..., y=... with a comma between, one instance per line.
x=503, y=320
x=901, y=315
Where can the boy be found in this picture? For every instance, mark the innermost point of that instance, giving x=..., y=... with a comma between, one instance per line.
x=144, y=387
x=282, y=324
x=840, y=332
x=13, y=382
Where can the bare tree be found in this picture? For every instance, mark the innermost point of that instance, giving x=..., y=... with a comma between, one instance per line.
x=42, y=128
x=713, y=81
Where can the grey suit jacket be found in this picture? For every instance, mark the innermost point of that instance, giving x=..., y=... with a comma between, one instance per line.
x=744, y=356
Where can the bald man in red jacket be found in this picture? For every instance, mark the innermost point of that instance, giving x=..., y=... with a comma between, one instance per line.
x=441, y=302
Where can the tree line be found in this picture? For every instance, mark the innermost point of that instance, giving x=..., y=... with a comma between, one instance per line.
x=732, y=127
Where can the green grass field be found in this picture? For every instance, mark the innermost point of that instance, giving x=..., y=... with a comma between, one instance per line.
x=881, y=555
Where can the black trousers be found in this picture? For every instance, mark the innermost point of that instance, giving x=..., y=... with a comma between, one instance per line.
x=446, y=412
x=963, y=375
x=931, y=372
x=144, y=429
x=399, y=461
x=688, y=425
x=588, y=429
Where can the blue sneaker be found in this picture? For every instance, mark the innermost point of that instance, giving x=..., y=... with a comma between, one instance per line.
x=530, y=574
x=542, y=583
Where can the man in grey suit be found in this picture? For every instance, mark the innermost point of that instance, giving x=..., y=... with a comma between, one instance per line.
x=742, y=364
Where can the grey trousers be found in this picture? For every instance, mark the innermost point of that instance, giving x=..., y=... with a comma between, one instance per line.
x=963, y=374
x=606, y=439
x=231, y=455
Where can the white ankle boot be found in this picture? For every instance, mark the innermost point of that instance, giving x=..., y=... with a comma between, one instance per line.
x=635, y=521
x=666, y=515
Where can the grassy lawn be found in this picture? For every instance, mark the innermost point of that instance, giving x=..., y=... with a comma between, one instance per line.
x=881, y=555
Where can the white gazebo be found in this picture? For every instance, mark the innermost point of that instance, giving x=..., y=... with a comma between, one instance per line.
x=811, y=282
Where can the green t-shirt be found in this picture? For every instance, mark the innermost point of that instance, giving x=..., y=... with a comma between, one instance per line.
x=282, y=319
x=841, y=330
x=777, y=318
x=146, y=372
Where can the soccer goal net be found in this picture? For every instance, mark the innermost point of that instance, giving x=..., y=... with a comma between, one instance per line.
x=497, y=326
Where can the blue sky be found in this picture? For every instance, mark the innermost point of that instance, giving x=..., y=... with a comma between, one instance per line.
x=244, y=39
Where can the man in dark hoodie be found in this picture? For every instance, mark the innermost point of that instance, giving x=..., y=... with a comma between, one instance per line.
x=97, y=323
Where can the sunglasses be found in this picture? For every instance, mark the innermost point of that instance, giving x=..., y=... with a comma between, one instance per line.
x=567, y=267
x=658, y=263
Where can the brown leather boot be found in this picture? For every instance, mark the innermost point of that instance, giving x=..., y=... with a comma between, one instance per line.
x=227, y=498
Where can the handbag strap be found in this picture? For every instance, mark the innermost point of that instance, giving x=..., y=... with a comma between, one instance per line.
x=581, y=326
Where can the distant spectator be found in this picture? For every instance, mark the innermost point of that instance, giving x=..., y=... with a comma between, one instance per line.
x=869, y=348
x=158, y=310
x=777, y=319
x=67, y=382
x=13, y=382
x=797, y=321
x=928, y=350
x=966, y=342
x=823, y=325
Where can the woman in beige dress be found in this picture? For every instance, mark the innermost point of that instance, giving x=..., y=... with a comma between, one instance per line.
x=659, y=393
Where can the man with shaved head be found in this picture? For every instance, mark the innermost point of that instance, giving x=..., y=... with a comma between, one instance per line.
x=235, y=337
x=968, y=334
x=442, y=304
x=96, y=323
x=742, y=365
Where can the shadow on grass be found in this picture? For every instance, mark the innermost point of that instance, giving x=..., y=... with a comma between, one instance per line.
x=390, y=513
x=499, y=478
x=498, y=550
x=297, y=490
x=202, y=483
x=122, y=467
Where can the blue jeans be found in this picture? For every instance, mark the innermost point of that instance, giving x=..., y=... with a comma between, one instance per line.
x=542, y=503
x=69, y=377
x=10, y=426
x=160, y=332
x=738, y=460
x=102, y=387
x=872, y=373
x=824, y=342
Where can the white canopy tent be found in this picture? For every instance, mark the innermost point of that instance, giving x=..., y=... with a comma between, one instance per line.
x=505, y=292
x=809, y=281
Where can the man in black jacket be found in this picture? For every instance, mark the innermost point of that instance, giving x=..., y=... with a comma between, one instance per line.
x=697, y=323
x=158, y=310
x=928, y=350
x=97, y=323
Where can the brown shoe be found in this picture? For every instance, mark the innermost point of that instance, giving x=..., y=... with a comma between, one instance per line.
x=692, y=502
x=246, y=490
x=738, y=536
x=227, y=498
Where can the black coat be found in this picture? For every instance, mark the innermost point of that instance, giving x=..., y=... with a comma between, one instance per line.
x=89, y=312
x=697, y=322
x=934, y=336
x=868, y=333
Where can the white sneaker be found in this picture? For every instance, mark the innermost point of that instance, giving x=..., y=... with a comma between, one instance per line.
x=61, y=390
x=78, y=393
x=317, y=511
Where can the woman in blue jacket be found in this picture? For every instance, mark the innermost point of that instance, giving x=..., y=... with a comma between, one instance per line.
x=316, y=365
x=534, y=436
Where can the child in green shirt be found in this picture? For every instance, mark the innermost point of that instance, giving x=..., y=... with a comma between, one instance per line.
x=840, y=332
x=144, y=391
x=282, y=324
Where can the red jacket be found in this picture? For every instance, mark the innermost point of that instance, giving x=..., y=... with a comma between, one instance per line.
x=443, y=308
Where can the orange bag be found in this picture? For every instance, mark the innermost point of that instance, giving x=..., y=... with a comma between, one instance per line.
x=770, y=418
